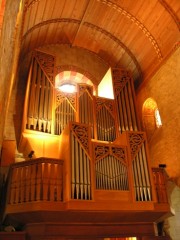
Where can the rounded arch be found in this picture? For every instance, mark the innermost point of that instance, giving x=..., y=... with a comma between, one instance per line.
x=150, y=116
x=72, y=78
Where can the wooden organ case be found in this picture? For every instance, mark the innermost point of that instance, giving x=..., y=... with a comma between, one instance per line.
x=106, y=176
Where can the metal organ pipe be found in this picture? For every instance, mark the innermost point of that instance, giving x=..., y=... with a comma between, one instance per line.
x=85, y=101
x=80, y=169
x=40, y=100
x=127, y=118
x=64, y=112
x=132, y=106
x=111, y=173
x=141, y=175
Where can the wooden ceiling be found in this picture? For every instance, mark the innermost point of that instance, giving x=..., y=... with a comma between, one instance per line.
x=137, y=35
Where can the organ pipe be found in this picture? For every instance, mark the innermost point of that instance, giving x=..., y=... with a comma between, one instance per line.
x=40, y=100
x=105, y=120
x=140, y=173
x=65, y=112
x=125, y=102
x=80, y=169
x=85, y=106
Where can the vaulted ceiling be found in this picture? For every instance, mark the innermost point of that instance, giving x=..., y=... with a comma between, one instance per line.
x=137, y=35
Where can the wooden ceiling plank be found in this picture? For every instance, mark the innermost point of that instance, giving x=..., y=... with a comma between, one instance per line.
x=78, y=9
x=48, y=12
x=51, y=32
x=58, y=9
x=82, y=21
x=41, y=36
x=36, y=34
x=26, y=22
x=68, y=9
x=40, y=12
x=146, y=11
x=173, y=8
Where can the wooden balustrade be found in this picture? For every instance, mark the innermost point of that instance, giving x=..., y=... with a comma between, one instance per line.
x=36, y=180
x=160, y=184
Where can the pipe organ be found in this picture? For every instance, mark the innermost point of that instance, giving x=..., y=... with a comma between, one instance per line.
x=110, y=167
x=96, y=129
x=105, y=119
x=65, y=110
x=85, y=105
x=140, y=167
x=125, y=102
x=39, y=112
x=80, y=163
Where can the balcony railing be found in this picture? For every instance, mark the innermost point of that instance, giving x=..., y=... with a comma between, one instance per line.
x=35, y=180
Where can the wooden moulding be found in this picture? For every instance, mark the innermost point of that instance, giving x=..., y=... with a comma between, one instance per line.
x=100, y=195
x=13, y=235
x=91, y=231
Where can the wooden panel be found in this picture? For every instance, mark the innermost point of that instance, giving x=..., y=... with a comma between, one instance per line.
x=13, y=235
x=8, y=152
x=124, y=196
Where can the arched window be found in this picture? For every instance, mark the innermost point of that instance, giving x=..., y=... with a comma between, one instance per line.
x=151, y=117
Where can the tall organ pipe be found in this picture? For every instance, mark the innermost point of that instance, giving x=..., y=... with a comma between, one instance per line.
x=80, y=169
x=39, y=115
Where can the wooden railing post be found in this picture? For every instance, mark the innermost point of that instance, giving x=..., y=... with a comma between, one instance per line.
x=160, y=185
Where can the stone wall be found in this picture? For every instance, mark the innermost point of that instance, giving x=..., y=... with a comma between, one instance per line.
x=172, y=224
x=8, y=58
x=164, y=88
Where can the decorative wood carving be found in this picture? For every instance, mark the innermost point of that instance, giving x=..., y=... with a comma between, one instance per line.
x=119, y=153
x=81, y=132
x=101, y=151
x=136, y=140
x=71, y=98
x=85, y=88
x=108, y=103
x=47, y=62
x=120, y=78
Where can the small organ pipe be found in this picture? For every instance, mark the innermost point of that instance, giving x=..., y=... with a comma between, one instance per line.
x=77, y=169
x=120, y=112
x=132, y=106
x=72, y=166
x=136, y=180
x=146, y=171
x=144, y=185
x=124, y=109
x=85, y=176
x=128, y=108
x=41, y=107
x=50, y=109
x=37, y=93
x=32, y=95
x=81, y=159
